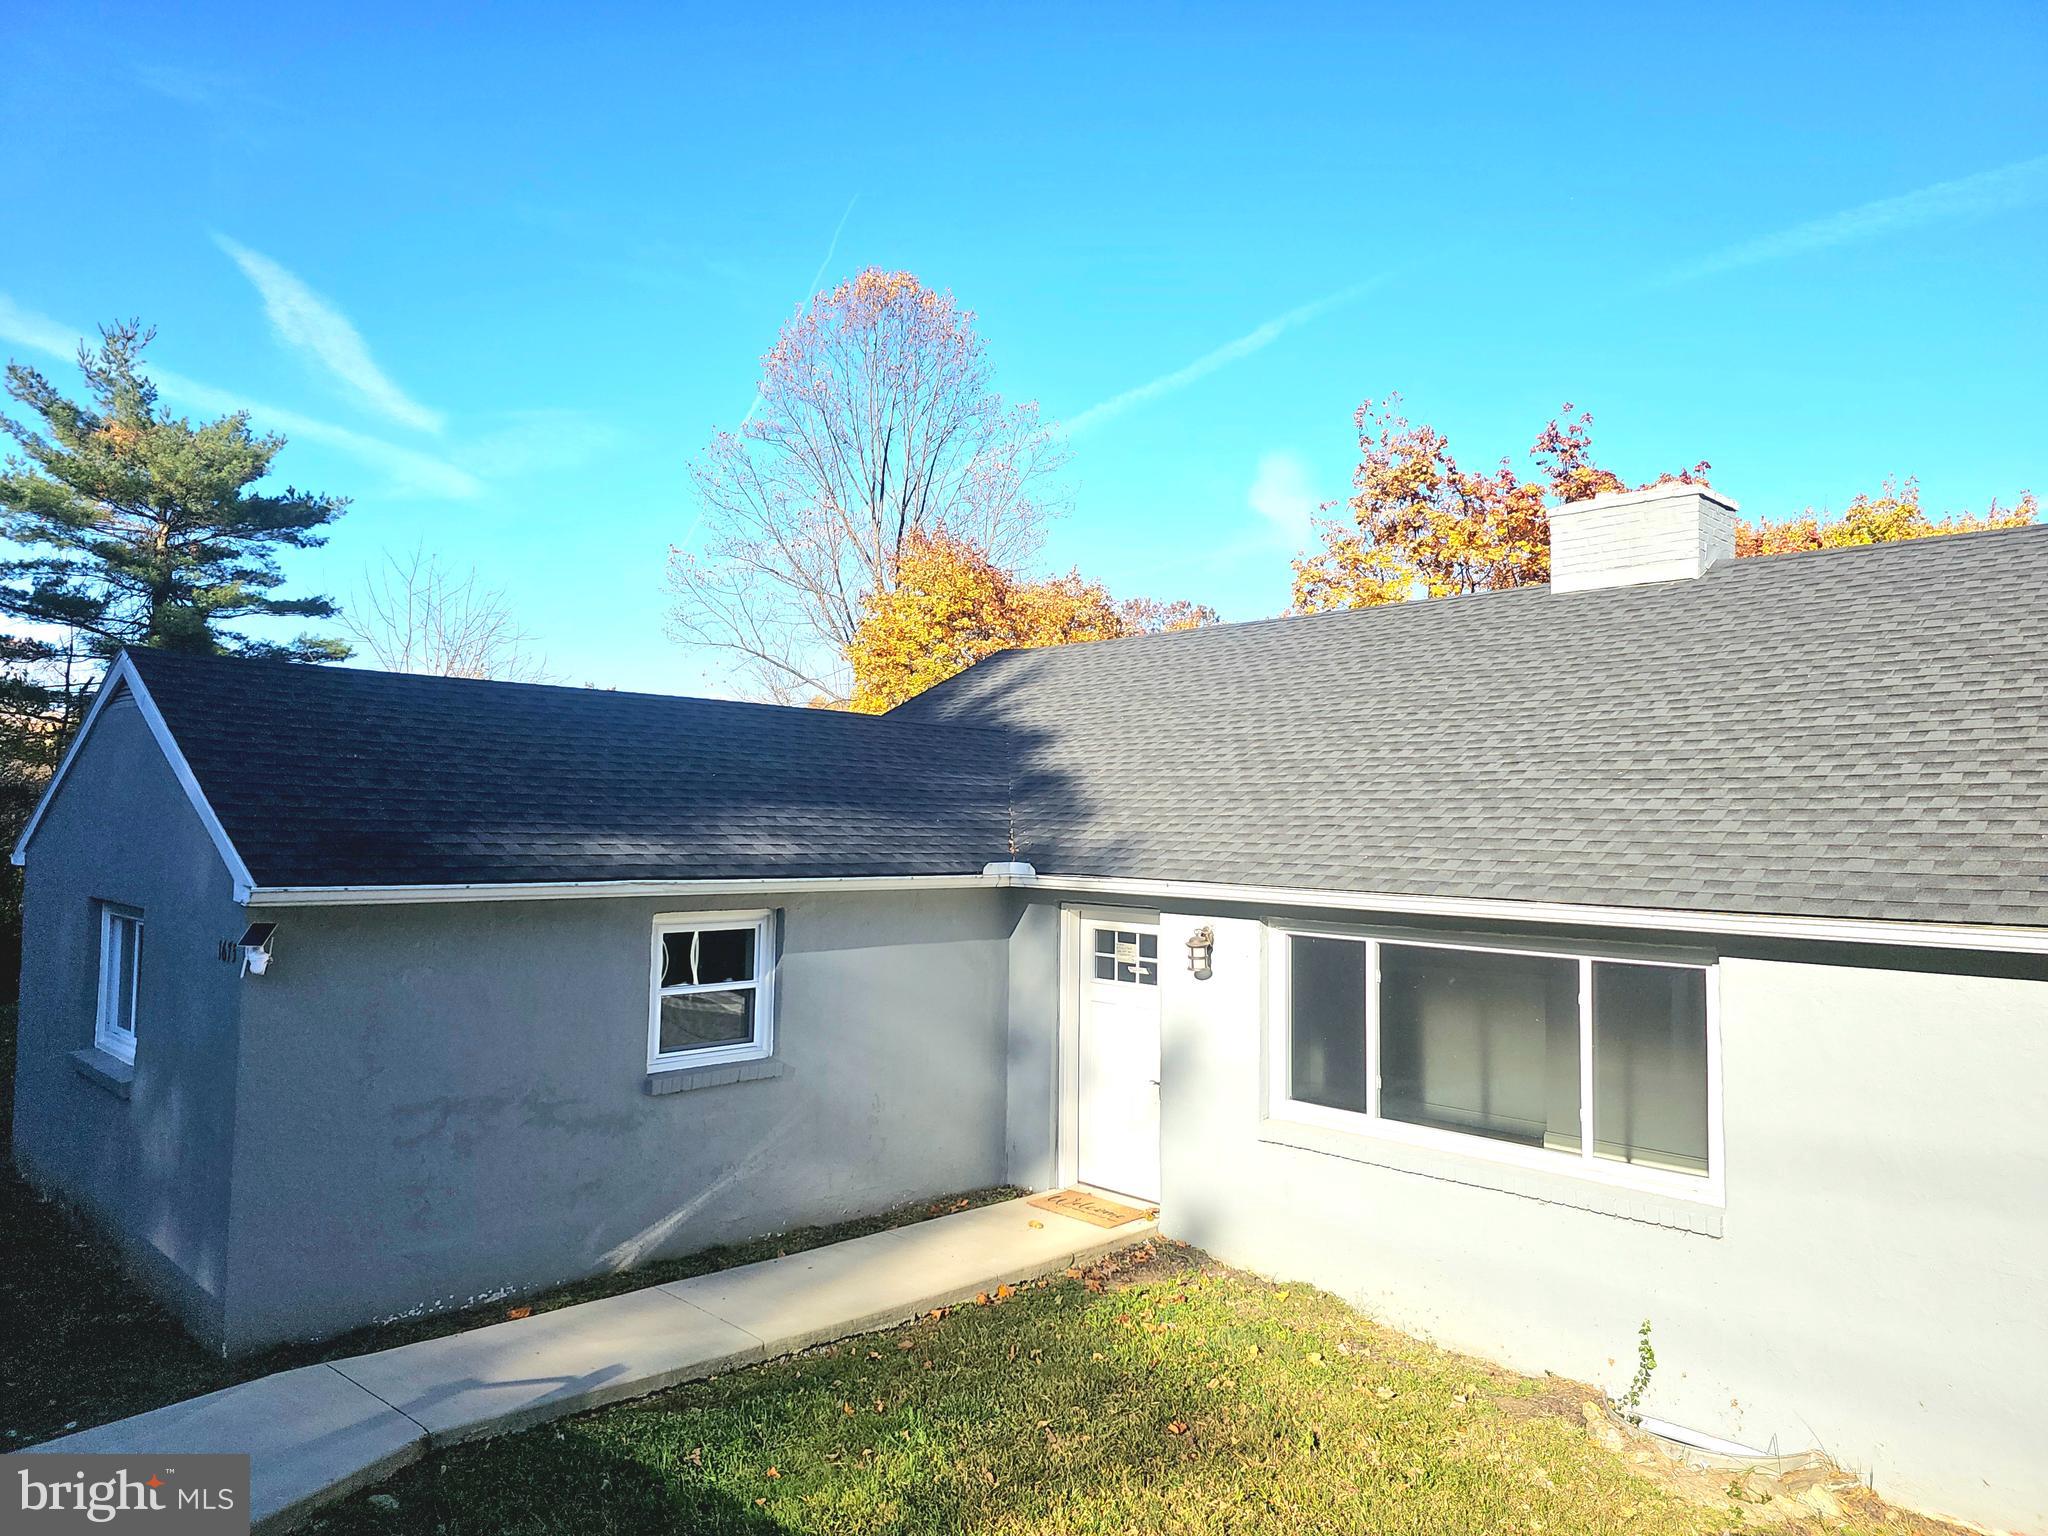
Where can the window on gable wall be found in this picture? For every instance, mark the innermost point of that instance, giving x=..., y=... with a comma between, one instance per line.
x=713, y=979
x=119, y=982
x=1579, y=1063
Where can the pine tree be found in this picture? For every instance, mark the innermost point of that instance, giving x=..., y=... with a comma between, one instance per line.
x=138, y=527
x=127, y=526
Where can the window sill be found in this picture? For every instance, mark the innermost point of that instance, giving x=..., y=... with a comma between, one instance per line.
x=103, y=1070
x=1656, y=1209
x=665, y=1080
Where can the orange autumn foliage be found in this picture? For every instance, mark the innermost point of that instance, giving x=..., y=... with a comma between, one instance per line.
x=1418, y=524
x=1421, y=525
x=951, y=605
x=1894, y=513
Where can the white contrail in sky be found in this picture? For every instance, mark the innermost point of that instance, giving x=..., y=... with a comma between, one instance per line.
x=304, y=320
x=1970, y=197
x=817, y=277
x=411, y=472
x=1230, y=352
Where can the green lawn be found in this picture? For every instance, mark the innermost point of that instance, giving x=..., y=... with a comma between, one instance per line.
x=80, y=1345
x=1178, y=1397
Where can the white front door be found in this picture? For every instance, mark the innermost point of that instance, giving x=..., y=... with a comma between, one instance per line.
x=1118, y=1133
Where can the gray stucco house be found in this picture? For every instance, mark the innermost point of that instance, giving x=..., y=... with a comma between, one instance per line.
x=1669, y=942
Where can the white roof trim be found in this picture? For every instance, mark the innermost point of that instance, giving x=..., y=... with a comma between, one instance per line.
x=120, y=675
x=1812, y=930
x=1816, y=930
x=563, y=890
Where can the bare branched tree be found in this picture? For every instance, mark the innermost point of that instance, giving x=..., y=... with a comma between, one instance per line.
x=415, y=615
x=876, y=419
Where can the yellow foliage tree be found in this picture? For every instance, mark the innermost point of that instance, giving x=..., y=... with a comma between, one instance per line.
x=951, y=605
x=1420, y=525
x=1894, y=513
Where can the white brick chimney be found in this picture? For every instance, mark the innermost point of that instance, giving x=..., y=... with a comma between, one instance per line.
x=1666, y=533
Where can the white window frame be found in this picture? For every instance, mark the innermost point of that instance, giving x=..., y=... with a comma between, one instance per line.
x=762, y=986
x=107, y=1035
x=1708, y=1188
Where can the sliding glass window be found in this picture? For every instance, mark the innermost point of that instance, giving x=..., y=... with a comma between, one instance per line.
x=1573, y=1061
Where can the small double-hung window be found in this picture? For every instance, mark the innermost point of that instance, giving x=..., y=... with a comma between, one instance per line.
x=713, y=998
x=120, y=967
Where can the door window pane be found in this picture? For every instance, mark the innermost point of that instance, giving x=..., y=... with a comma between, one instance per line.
x=1483, y=1043
x=1124, y=954
x=1650, y=1066
x=1326, y=1043
x=691, y=1021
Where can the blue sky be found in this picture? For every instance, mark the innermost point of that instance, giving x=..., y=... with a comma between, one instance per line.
x=500, y=276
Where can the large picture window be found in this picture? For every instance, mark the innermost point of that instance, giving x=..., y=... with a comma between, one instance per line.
x=1591, y=1064
x=713, y=989
x=120, y=980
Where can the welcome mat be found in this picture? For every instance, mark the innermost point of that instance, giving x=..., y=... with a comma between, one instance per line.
x=1097, y=1210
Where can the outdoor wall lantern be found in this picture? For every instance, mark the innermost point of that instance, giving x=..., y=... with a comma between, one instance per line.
x=255, y=947
x=1201, y=951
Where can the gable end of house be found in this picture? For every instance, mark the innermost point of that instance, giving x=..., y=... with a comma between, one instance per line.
x=123, y=688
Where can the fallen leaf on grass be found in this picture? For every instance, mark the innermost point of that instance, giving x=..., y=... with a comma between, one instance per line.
x=771, y=1472
x=1005, y=1292
x=513, y=1314
x=1177, y=1427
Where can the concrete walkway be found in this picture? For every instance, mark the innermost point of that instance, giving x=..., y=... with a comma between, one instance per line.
x=322, y=1431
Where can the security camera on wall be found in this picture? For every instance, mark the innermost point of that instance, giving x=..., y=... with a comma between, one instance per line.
x=255, y=946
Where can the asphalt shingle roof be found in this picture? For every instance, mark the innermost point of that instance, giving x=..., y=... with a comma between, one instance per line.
x=1857, y=733
x=338, y=776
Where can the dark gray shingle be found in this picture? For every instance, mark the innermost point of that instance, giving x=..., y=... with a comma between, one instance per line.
x=1854, y=733
x=1861, y=733
x=337, y=776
